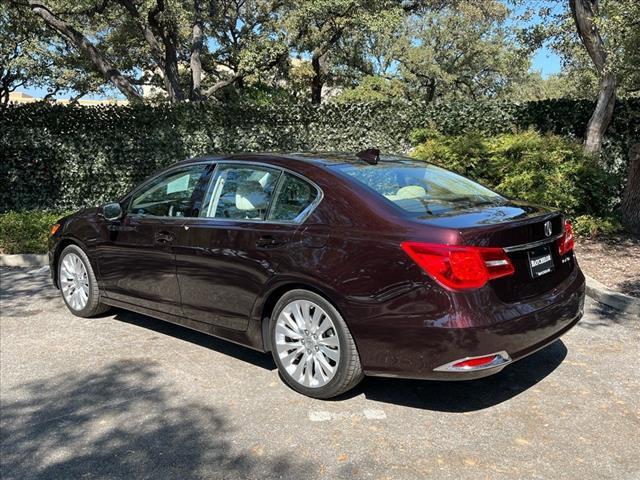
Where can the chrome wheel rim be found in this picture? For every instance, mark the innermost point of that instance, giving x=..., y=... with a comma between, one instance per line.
x=74, y=281
x=307, y=343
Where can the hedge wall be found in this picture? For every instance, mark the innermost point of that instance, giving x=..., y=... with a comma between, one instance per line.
x=60, y=157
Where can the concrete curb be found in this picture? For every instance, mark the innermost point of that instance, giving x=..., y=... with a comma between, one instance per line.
x=24, y=260
x=619, y=301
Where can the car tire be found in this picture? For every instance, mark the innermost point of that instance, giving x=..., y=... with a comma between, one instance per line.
x=321, y=363
x=78, y=283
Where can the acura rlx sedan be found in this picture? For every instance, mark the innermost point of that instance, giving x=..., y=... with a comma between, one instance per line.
x=339, y=265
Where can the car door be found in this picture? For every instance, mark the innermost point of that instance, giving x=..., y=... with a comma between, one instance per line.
x=136, y=259
x=242, y=237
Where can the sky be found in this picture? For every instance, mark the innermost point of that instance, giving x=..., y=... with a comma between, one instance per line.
x=546, y=61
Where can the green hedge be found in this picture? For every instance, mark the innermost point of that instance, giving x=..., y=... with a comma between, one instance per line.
x=542, y=169
x=62, y=157
x=26, y=232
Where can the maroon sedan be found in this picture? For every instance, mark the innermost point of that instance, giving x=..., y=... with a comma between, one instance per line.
x=340, y=265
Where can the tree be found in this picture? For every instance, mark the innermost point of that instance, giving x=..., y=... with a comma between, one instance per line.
x=585, y=13
x=443, y=49
x=26, y=55
x=181, y=49
x=84, y=45
x=610, y=34
x=319, y=29
x=462, y=51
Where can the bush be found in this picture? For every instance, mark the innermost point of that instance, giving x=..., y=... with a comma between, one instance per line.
x=590, y=226
x=543, y=169
x=26, y=232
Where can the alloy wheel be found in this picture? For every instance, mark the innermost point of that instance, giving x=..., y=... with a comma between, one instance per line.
x=74, y=281
x=307, y=343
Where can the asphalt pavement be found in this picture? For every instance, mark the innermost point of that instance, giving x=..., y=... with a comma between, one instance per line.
x=128, y=396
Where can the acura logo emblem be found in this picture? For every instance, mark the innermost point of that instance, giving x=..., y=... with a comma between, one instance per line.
x=547, y=228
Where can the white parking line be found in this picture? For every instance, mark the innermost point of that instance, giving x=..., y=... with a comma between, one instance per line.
x=374, y=414
x=320, y=416
x=367, y=413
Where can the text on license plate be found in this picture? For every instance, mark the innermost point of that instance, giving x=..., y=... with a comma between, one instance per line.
x=540, y=261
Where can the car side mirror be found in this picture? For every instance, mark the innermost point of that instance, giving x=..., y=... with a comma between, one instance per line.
x=112, y=211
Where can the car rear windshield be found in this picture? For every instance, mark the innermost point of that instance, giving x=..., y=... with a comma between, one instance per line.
x=421, y=188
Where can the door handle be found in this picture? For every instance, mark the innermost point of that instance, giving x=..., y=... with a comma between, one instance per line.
x=270, y=241
x=163, y=237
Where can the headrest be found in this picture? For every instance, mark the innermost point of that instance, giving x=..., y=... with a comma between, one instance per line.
x=251, y=196
x=410, y=191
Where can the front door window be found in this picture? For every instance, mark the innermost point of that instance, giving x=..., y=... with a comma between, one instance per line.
x=168, y=195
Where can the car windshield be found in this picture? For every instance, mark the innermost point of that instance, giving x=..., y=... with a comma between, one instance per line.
x=421, y=188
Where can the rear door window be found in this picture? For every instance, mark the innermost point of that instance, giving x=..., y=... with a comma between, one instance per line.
x=240, y=193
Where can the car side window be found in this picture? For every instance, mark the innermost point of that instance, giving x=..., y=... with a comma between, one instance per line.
x=168, y=195
x=240, y=192
x=294, y=197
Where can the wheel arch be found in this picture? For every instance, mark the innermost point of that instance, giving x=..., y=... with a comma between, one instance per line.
x=61, y=245
x=266, y=306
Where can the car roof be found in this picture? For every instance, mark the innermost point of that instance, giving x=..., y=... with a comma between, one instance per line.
x=291, y=158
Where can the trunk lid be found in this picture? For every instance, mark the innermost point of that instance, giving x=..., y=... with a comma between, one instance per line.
x=519, y=228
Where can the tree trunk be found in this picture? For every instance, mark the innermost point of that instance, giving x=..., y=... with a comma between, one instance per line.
x=171, y=69
x=317, y=82
x=584, y=13
x=169, y=66
x=196, y=47
x=602, y=115
x=80, y=42
x=631, y=196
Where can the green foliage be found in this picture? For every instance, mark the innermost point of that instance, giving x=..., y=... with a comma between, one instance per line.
x=544, y=169
x=590, y=226
x=373, y=89
x=26, y=232
x=64, y=157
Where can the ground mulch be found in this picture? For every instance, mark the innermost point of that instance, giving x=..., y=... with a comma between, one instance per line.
x=612, y=260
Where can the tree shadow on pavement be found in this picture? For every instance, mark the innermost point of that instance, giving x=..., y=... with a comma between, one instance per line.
x=599, y=315
x=122, y=422
x=466, y=396
x=18, y=289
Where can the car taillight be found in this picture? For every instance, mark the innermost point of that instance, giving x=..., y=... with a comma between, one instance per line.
x=566, y=242
x=460, y=267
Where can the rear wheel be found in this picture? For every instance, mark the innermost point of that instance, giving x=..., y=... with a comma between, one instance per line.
x=78, y=283
x=312, y=346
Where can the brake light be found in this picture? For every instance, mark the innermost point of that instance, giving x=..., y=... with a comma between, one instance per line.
x=460, y=267
x=566, y=242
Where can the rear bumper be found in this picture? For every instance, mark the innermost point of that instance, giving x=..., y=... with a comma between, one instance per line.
x=416, y=349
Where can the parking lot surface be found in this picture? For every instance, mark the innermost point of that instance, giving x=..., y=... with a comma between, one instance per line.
x=127, y=396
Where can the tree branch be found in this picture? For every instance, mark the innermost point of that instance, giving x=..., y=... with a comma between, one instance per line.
x=79, y=41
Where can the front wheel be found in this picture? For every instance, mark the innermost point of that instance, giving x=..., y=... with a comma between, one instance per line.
x=312, y=346
x=78, y=283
